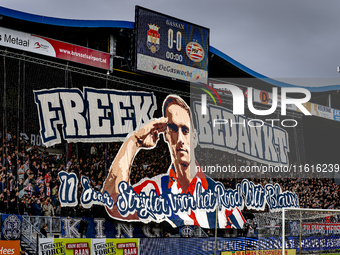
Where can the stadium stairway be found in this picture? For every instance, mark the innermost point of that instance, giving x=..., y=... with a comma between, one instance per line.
x=29, y=237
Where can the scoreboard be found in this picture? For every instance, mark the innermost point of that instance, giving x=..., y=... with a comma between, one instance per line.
x=171, y=47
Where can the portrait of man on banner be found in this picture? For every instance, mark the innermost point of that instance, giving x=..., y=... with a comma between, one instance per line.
x=176, y=196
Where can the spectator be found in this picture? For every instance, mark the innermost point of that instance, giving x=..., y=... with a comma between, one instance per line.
x=29, y=189
x=22, y=205
x=41, y=180
x=30, y=179
x=36, y=208
x=37, y=189
x=22, y=192
x=48, y=209
x=20, y=184
x=48, y=177
x=93, y=151
x=47, y=190
x=21, y=172
x=43, y=231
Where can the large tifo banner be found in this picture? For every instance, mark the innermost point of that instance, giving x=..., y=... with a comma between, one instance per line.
x=184, y=194
x=85, y=246
x=53, y=48
x=104, y=115
x=94, y=115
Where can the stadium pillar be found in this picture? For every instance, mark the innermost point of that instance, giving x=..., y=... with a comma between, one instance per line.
x=216, y=230
x=283, y=231
x=18, y=127
x=67, y=148
x=23, y=98
x=300, y=232
x=112, y=50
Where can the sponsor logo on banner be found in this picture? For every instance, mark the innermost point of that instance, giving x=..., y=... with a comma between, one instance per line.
x=54, y=48
x=38, y=45
x=129, y=248
x=322, y=111
x=294, y=228
x=226, y=91
x=52, y=246
x=260, y=252
x=264, y=97
x=246, y=93
x=308, y=106
x=195, y=51
x=10, y=247
x=274, y=228
x=170, y=69
x=120, y=246
x=187, y=231
x=320, y=228
x=8, y=38
x=153, y=42
x=14, y=39
x=64, y=246
x=12, y=227
x=104, y=247
x=86, y=246
x=336, y=114
x=79, y=248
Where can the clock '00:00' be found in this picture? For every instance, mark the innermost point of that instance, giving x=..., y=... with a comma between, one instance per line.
x=172, y=56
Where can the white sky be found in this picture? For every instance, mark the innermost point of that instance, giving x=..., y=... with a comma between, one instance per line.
x=279, y=39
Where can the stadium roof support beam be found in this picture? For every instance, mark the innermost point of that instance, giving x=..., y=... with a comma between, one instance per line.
x=112, y=50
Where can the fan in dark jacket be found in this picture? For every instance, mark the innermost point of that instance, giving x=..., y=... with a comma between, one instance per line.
x=36, y=208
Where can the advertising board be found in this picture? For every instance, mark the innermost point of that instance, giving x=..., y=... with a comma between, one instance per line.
x=53, y=48
x=170, y=47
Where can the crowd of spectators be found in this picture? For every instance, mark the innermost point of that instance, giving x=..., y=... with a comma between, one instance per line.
x=29, y=176
x=314, y=190
x=29, y=180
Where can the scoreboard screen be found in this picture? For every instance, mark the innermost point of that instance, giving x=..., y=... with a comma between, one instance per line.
x=171, y=47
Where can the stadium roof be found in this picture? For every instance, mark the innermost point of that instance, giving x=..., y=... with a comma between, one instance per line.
x=65, y=22
x=254, y=74
x=224, y=61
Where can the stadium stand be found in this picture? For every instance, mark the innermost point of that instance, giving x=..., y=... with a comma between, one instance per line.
x=29, y=182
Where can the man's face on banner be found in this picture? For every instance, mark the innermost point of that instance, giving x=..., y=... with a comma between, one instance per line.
x=178, y=134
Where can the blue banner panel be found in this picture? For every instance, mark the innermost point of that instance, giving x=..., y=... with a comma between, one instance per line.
x=189, y=246
x=10, y=226
x=103, y=228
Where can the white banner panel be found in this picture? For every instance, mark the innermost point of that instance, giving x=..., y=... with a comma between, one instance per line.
x=170, y=69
